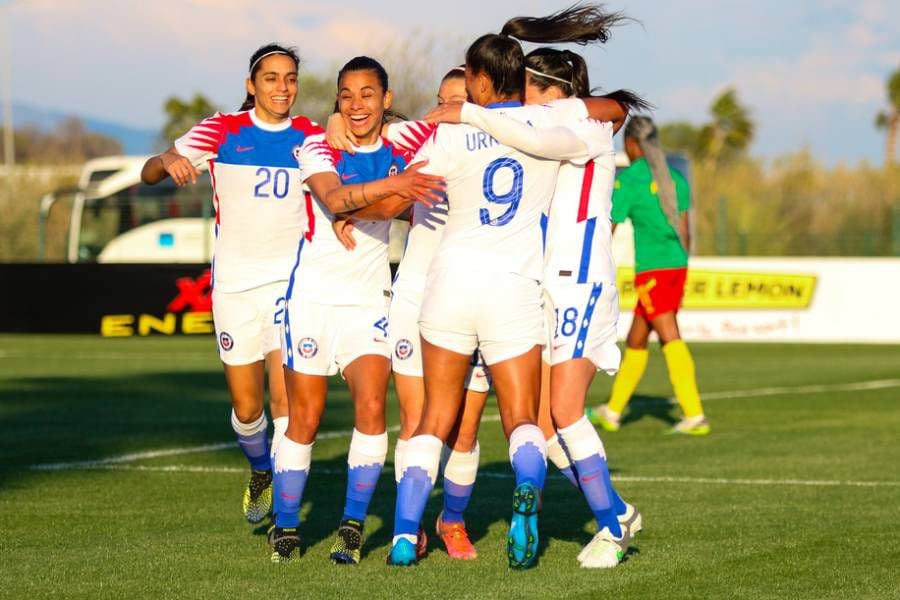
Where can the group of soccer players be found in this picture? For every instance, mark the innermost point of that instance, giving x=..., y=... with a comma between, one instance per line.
x=507, y=267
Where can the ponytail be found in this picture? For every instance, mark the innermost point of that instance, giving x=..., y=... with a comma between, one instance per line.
x=579, y=24
x=500, y=56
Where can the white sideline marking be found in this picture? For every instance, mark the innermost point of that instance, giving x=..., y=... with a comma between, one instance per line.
x=325, y=435
x=877, y=384
x=110, y=355
x=498, y=475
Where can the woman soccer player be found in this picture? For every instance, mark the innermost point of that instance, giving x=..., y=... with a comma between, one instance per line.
x=581, y=303
x=492, y=244
x=408, y=290
x=259, y=219
x=656, y=198
x=336, y=313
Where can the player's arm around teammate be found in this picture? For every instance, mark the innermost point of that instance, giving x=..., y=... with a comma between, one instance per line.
x=336, y=313
x=248, y=287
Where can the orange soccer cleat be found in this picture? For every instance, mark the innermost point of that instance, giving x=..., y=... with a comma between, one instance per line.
x=456, y=539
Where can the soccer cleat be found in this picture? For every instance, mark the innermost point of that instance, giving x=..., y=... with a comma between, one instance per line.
x=421, y=543
x=456, y=539
x=631, y=520
x=257, y=501
x=691, y=426
x=604, y=417
x=347, y=544
x=402, y=554
x=285, y=544
x=604, y=551
x=522, y=540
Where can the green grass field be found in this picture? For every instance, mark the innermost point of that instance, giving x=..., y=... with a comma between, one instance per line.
x=795, y=494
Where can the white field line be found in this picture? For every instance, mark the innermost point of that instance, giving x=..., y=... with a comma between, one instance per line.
x=75, y=355
x=325, y=435
x=498, y=475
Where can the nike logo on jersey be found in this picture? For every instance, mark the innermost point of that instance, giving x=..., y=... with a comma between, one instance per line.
x=348, y=176
x=557, y=347
x=379, y=340
x=244, y=148
x=480, y=375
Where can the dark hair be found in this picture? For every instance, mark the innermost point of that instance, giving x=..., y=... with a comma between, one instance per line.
x=457, y=72
x=256, y=64
x=366, y=63
x=561, y=64
x=571, y=67
x=500, y=56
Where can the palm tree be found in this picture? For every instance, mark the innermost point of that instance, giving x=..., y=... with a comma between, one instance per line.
x=731, y=129
x=889, y=120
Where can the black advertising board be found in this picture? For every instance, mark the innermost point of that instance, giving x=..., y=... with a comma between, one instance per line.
x=113, y=300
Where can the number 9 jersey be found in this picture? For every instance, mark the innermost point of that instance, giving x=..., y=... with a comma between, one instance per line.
x=257, y=194
x=483, y=288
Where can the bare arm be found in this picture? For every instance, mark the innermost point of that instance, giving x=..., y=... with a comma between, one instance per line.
x=169, y=163
x=606, y=109
x=411, y=185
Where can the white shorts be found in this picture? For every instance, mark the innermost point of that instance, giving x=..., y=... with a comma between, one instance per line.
x=581, y=319
x=320, y=339
x=407, y=347
x=248, y=323
x=499, y=313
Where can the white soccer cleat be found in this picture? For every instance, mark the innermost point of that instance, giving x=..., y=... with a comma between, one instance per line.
x=604, y=551
x=631, y=520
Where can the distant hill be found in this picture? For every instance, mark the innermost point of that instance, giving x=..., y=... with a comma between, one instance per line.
x=133, y=140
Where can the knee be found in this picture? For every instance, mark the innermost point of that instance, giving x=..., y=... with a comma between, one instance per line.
x=248, y=412
x=465, y=440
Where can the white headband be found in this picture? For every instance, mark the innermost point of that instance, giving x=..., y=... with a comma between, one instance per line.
x=256, y=62
x=539, y=74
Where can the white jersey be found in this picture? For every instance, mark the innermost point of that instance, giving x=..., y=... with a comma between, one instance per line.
x=258, y=197
x=578, y=242
x=326, y=272
x=496, y=194
x=426, y=224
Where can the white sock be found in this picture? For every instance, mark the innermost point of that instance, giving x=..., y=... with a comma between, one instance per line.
x=367, y=449
x=462, y=467
x=248, y=429
x=581, y=440
x=424, y=451
x=556, y=454
x=399, y=453
x=292, y=456
x=279, y=426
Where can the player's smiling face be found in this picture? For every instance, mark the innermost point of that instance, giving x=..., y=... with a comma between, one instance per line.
x=362, y=102
x=452, y=90
x=274, y=88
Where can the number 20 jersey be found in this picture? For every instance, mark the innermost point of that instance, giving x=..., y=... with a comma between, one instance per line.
x=257, y=193
x=496, y=194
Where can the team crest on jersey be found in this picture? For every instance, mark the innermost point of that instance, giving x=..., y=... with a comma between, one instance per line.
x=295, y=152
x=226, y=342
x=308, y=347
x=403, y=349
x=393, y=171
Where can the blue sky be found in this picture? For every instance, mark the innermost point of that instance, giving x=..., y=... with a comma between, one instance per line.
x=812, y=71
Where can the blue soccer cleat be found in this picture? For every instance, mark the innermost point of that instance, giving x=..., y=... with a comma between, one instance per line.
x=522, y=541
x=403, y=554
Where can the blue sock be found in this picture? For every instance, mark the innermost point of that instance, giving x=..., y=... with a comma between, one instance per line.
x=459, y=481
x=292, y=462
x=528, y=455
x=594, y=475
x=618, y=504
x=421, y=460
x=569, y=473
x=364, y=463
x=456, y=499
x=584, y=446
x=254, y=441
